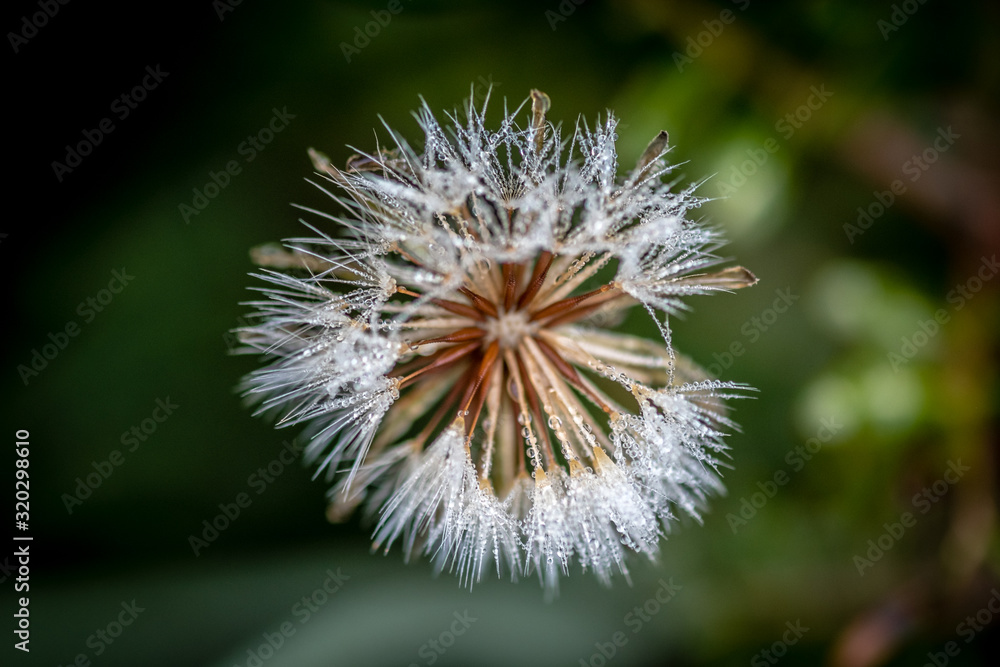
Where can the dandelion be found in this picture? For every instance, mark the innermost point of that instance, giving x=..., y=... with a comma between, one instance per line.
x=454, y=352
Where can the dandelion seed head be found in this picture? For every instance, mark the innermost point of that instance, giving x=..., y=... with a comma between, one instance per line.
x=440, y=344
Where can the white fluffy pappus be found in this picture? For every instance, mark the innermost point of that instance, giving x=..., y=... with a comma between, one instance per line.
x=449, y=345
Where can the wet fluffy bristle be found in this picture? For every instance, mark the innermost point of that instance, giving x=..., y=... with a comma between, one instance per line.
x=453, y=351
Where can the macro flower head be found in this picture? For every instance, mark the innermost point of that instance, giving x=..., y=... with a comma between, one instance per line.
x=450, y=343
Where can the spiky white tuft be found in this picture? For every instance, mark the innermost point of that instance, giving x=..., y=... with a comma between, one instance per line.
x=450, y=346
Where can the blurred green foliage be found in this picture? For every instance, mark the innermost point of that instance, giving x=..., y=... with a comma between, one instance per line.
x=734, y=92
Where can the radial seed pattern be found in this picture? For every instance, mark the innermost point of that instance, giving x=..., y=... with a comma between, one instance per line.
x=450, y=352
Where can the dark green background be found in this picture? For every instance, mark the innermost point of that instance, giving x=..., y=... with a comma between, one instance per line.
x=165, y=335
